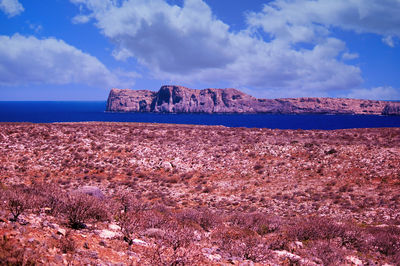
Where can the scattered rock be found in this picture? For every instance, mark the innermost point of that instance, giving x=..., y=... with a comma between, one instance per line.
x=113, y=226
x=61, y=231
x=139, y=242
x=354, y=260
x=108, y=234
x=92, y=191
x=167, y=166
x=154, y=232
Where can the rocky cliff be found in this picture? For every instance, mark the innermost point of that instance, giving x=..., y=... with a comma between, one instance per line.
x=178, y=99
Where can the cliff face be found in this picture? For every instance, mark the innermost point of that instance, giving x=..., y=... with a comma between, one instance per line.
x=178, y=99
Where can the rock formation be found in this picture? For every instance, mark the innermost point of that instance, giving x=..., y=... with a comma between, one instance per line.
x=178, y=99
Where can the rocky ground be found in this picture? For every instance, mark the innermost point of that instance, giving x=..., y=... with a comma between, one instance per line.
x=132, y=193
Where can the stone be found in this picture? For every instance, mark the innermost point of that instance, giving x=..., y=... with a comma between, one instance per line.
x=113, y=226
x=91, y=191
x=61, y=231
x=167, y=166
x=139, y=242
x=154, y=232
x=354, y=260
x=108, y=234
x=179, y=99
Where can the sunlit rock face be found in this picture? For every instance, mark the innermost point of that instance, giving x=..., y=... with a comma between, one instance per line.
x=178, y=99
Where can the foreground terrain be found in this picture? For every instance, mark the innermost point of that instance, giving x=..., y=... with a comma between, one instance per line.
x=159, y=194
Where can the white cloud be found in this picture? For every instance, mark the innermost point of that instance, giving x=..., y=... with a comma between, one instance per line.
x=80, y=19
x=189, y=44
x=349, y=56
x=388, y=40
x=11, y=7
x=28, y=60
x=378, y=93
x=285, y=19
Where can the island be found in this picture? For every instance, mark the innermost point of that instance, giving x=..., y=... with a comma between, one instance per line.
x=179, y=99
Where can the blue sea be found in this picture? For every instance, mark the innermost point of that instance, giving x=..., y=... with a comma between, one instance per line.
x=48, y=112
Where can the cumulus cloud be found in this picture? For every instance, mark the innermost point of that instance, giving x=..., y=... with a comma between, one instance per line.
x=388, y=40
x=349, y=56
x=304, y=20
x=189, y=44
x=378, y=93
x=11, y=7
x=28, y=60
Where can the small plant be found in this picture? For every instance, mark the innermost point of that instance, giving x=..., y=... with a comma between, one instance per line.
x=12, y=254
x=80, y=208
x=327, y=252
x=172, y=247
x=130, y=223
x=17, y=201
x=331, y=151
x=242, y=243
x=67, y=244
x=204, y=218
x=314, y=228
x=386, y=240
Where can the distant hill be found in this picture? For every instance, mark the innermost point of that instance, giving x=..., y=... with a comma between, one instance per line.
x=178, y=99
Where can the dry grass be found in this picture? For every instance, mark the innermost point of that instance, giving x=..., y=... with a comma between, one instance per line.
x=224, y=194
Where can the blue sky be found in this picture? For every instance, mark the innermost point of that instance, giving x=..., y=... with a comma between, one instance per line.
x=79, y=49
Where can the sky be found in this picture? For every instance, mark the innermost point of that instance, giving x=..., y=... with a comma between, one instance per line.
x=80, y=49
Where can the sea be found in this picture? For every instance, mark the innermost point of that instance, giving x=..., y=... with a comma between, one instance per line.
x=52, y=111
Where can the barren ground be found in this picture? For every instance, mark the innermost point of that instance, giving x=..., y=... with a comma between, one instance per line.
x=238, y=195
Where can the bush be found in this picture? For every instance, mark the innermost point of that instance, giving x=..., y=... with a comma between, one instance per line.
x=241, y=243
x=314, y=228
x=129, y=203
x=17, y=200
x=48, y=196
x=258, y=222
x=204, y=218
x=130, y=223
x=67, y=244
x=327, y=252
x=12, y=254
x=172, y=247
x=386, y=240
x=80, y=208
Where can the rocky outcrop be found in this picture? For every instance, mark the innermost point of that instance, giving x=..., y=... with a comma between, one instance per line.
x=178, y=99
x=391, y=109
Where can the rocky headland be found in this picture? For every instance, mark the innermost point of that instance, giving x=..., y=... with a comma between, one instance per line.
x=178, y=99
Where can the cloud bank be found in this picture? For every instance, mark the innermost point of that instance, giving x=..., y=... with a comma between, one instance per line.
x=378, y=93
x=11, y=7
x=189, y=44
x=29, y=60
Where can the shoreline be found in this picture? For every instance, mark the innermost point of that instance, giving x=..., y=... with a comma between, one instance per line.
x=187, y=125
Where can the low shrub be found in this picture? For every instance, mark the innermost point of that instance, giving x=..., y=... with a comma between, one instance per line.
x=326, y=252
x=314, y=228
x=79, y=208
x=241, y=243
x=386, y=240
x=175, y=246
x=17, y=200
x=12, y=254
x=206, y=219
x=130, y=223
x=67, y=244
x=258, y=222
